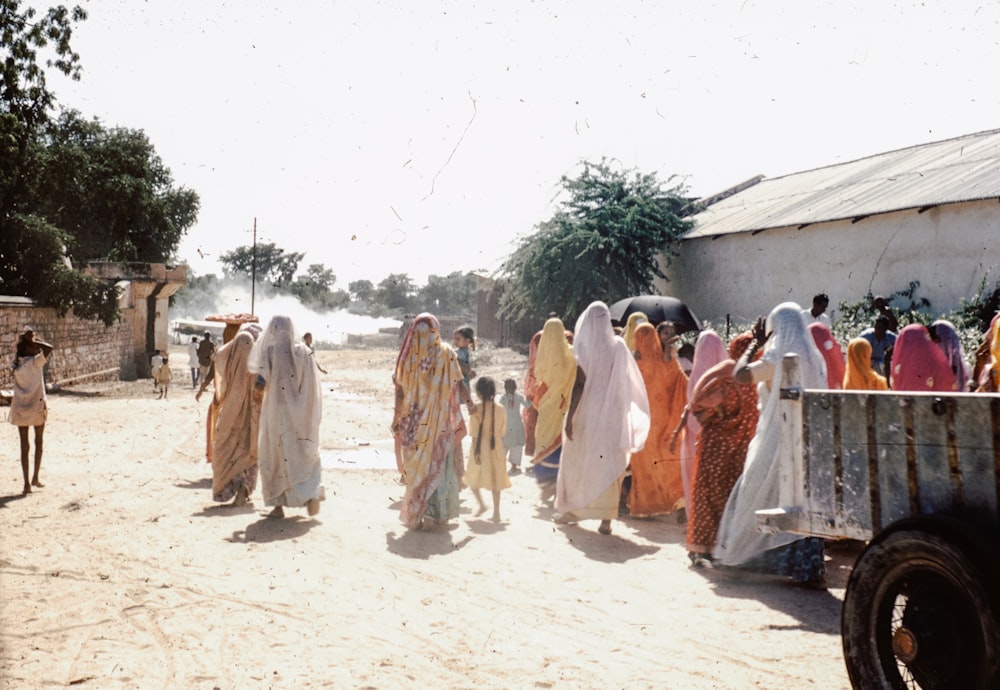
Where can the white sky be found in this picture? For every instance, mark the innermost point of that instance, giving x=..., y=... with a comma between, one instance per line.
x=424, y=137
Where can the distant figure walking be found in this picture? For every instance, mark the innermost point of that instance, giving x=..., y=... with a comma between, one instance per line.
x=193, y=361
x=163, y=376
x=514, y=436
x=155, y=364
x=28, y=408
x=206, y=352
x=288, y=441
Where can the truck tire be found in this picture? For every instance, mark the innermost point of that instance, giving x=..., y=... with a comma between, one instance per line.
x=920, y=609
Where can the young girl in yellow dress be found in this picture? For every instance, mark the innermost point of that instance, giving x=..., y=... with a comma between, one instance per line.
x=487, y=466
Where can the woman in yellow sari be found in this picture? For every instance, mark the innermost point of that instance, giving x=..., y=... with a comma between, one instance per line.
x=555, y=372
x=656, y=469
x=635, y=320
x=859, y=375
x=428, y=424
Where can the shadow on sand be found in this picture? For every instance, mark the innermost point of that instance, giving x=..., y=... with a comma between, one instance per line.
x=606, y=548
x=822, y=615
x=268, y=529
x=4, y=500
x=225, y=509
x=200, y=484
x=422, y=545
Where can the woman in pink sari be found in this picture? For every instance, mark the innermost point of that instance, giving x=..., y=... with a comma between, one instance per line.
x=709, y=350
x=918, y=364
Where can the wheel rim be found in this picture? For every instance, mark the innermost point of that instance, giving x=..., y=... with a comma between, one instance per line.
x=927, y=630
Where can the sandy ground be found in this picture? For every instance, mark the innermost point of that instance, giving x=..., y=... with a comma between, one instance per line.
x=122, y=573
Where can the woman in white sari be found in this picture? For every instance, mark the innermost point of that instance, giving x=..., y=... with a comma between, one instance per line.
x=739, y=543
x=608, y=419
x=288, y=441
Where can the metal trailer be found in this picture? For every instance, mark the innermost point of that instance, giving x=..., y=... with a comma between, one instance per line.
x=917, y=475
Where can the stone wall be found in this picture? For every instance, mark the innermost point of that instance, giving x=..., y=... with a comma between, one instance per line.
x=83, y=350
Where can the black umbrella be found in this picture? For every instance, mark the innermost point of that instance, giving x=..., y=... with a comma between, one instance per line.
x=657, y=308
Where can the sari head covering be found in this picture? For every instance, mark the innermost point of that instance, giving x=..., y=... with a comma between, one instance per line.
x=758, y=486
x=428, y=419
x=709, y=350
x=951, y=345
x=830, y=349
x=859, y=375
x=611, y=418
x=236, y=419
x=918, y=364
x=555, y=370
x=635, y=319
x=529, y=416
x=288, y=440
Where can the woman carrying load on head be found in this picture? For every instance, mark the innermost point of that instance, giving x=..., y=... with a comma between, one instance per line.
x=236, y=420
x=555, y=372
x=428, y=424
x=607, y=421
x=739, y=543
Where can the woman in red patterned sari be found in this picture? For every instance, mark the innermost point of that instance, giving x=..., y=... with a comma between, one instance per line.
x=728, y=413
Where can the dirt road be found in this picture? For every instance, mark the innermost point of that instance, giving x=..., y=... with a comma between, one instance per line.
x=122, y=573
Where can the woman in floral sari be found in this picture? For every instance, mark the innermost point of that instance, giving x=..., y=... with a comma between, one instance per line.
x=428, y=424
x=709, y=350
x=555, y=370
x=656, y=469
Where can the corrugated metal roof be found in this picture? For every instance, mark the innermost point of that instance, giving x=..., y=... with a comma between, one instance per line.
x=966, y=168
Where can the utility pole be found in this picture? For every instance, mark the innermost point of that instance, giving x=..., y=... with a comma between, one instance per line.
x=253, y=267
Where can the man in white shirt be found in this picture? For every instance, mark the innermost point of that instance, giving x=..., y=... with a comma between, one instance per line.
x=818, y=311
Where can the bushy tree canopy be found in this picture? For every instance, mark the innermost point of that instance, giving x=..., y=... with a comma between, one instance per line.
x=71, y=189
x=613, y=234
x=274, y=265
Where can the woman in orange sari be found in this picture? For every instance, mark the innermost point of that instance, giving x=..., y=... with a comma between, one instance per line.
x=859, y=375
x=530, y=415
x=657, y=487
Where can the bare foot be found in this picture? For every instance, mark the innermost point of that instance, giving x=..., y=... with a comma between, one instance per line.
x=312, y=506
x=278, y=512
x=26, y=490
x=564, y=519
x=482, y=509
x=35, y=482
x=496, y=517
x=605, y=527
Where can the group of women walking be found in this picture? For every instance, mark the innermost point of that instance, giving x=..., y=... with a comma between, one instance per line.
x=606, y=406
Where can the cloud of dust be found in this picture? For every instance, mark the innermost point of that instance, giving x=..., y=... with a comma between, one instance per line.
x=330, y=327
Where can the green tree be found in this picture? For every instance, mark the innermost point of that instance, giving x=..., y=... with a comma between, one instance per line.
x=454, y=293
x=274, y=265
x=315, y=289
x=614, y=232
x=112, y=193
x=361, y=290
x=395, y=291
x=70, y=190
